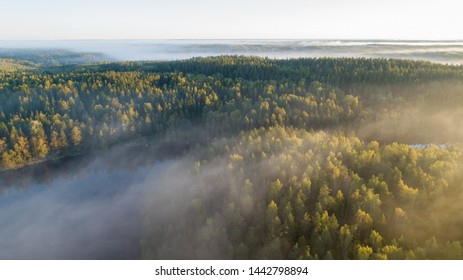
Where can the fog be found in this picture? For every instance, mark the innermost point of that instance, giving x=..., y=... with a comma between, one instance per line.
x=99, y=206
x=416, y=125
x=88, y=208
x=428, y=113
x=122, y=50
x=92, y=206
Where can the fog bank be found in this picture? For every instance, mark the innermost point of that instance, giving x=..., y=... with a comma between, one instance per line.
x=90, y=210
x=122, y=50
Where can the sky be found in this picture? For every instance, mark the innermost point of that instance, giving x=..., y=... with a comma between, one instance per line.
x=236, y=19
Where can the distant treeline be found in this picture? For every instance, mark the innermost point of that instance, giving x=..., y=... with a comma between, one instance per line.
x=49, y=57
x=335, y=71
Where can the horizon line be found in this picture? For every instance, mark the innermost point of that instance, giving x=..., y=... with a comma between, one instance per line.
x=230, y=39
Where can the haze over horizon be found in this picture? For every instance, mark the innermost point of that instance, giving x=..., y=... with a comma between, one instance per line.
x=133, y=50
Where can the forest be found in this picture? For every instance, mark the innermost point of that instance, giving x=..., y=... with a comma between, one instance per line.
x=320, y=158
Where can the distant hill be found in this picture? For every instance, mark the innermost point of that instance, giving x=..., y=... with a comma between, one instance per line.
x=52, y=57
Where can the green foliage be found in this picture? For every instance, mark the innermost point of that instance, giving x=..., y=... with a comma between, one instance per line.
x=10, y=65
x=361, y=221
x=303, y=173
x=108, y=103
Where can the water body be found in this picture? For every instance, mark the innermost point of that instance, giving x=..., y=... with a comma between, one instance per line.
x=423, y=146
x=79, y=208
x=122, y=50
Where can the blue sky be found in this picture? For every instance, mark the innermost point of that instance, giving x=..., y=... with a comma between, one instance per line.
x=233, y=19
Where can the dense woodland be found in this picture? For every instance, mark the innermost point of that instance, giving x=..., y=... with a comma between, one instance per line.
x=288, y=193
x=310, y=158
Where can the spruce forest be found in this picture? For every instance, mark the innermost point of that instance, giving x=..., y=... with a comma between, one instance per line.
x=310, y=158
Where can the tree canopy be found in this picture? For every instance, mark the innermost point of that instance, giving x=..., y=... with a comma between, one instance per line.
x=318, y=158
